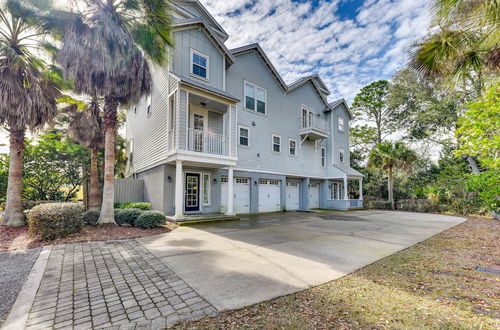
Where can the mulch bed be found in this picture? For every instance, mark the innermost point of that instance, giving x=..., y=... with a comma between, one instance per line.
x=18, y=238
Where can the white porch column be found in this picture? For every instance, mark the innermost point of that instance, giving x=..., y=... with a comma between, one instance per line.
x=361, y=189
x=346, y=196
x=230, y=191
x=179, y=189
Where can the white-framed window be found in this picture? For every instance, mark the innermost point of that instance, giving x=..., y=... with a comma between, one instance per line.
x=206, y=188
x=340, y=121
x=199, y=64
x=255, y=98
x=323, y=156
x=244, y=134
x=307, y=117
x=336, y=190
x=149, y=105
x=276, y=143
x=341, y=155
x=292, y=147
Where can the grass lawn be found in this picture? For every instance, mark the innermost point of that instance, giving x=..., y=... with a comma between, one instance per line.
x=433, y=284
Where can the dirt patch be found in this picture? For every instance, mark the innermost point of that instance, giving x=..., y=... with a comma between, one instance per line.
x=18, y=238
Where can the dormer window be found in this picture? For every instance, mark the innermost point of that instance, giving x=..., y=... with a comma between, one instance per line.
x=199, y=64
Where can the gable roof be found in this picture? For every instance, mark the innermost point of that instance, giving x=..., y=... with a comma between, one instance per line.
x=338, y=102
x=198, y=22
x=256, y=47
x=204, y=87
x=203, y=10
x=315, y=80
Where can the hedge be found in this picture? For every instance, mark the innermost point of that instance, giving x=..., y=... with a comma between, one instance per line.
x=140, y=206
x=127, y=216
x=150, y=219
x=55, y=220
x=91, y=217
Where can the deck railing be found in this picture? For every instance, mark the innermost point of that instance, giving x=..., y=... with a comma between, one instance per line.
x=311, y=121
x=209, y=142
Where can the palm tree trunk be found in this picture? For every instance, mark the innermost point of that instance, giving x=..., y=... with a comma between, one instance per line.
x=390, y=187
x=108, y=196
x=94, y=189
x=14, y=215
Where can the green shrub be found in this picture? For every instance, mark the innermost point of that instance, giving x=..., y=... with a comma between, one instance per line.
x=420, y=205
x=127, y=216
x=381, y=205
x=55, y=220
x=91, y=217
x=140, y=206
x=150, y=219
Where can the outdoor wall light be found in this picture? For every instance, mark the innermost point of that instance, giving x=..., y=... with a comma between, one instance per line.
x=169, y=178
x=253, y=123
x=255, y=182
x=258, y=154
x=215, y=180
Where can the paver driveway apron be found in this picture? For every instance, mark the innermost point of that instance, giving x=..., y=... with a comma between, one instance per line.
x=239, y=263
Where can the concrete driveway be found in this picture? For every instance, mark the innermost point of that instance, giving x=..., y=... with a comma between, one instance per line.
x=238, y=263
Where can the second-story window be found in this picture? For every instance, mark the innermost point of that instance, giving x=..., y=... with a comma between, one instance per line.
x=276, y=143
x=292, y=147
x=341, y=124
x=243, y=136
x=255, y=98
x=199, y=64
x=323, y=156
x=341, y=155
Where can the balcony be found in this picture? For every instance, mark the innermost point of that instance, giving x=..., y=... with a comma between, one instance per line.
x=313, y=127
x=207, y=142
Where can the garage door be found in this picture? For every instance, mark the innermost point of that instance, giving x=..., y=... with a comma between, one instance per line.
x=269, y=195
x=241, y=191
x=314, y=196
x=292, y=195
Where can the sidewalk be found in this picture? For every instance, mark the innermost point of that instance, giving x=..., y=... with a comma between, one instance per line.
x=115, y=284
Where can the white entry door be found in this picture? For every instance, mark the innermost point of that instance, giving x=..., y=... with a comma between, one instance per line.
x=314, y=196
x=241, y=190
x=269, y=195
x=292, y=195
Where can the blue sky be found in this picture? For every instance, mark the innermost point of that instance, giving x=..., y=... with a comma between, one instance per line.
x=350, y=43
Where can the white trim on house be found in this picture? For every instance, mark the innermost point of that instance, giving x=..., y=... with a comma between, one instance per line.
x=323, y=157
x=272, y=142
x=207, y=68
x=340, y=123
x=341, y=152
x=295, y=147
x=255, y=86
x=239, y=136
x=209, y=199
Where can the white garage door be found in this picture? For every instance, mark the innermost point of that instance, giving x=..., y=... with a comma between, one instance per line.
x=314, y=196
x=292, y=195
x=269, y=195
x=241, y=191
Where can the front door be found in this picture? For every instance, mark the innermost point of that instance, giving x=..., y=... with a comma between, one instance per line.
x=192, y=193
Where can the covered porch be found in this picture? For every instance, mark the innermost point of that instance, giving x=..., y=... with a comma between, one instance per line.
x=339, y=197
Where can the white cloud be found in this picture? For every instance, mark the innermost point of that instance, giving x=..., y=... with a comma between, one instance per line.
x=347, y=53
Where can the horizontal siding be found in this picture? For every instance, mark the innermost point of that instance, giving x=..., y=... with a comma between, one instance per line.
x=197, y=40
x=182, y=120
x=150, y=133
x=215, y=122
x=282, y=118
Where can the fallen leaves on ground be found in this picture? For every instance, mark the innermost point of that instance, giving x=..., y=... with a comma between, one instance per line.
x=18, y=238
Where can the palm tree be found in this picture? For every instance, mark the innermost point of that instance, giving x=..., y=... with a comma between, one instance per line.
x=105, y=53
x=85, y=126
x=27, y=96
x=389, y=156
x=464, y=44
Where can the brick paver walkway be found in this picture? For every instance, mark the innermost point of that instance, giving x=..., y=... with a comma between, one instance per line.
x=112, y=284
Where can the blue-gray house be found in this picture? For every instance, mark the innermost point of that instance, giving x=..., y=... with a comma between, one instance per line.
x=222, y=132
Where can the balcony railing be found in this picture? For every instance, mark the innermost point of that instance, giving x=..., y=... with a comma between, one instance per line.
x=314, y=122
x=203, y=141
